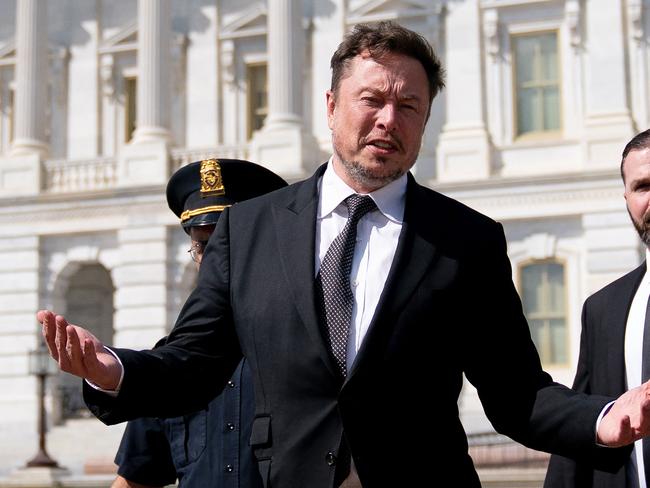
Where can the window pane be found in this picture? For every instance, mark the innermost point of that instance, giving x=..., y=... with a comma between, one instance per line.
x=131, y=91
x=537, y=332
x=555, y=273
x=548, y=57
x=558, y=341
x=526, y=111
x=525, y=48
x=257, y=97
x=531, y=278
x=551, y=109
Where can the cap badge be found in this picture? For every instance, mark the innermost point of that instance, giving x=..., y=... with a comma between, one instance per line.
x=211, y=181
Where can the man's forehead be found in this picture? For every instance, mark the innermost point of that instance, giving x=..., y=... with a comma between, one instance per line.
x=637, y=164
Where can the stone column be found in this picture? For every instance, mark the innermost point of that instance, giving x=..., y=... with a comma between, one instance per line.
x=608, y=124
x=464, y=151
x=145, y=159
x=286, y=44
x=31, y=78
x=154, y=34
x=639, y=69
x=282, y=143
x=20, y=171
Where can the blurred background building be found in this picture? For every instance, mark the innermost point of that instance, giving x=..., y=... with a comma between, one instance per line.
x=100, y=101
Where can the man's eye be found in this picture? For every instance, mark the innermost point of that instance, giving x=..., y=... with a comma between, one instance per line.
x=370, y=100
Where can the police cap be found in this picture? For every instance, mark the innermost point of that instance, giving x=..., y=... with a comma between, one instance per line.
x=198, y=192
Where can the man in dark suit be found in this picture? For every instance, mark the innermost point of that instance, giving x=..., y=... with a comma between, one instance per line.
x=612, y=341
x=208, y=447
x=358, y=326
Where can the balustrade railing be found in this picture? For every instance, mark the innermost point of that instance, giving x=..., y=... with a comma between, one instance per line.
x=69, y=176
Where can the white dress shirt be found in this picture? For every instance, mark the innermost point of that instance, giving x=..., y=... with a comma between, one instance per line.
x=377, y=236
x=633, y=357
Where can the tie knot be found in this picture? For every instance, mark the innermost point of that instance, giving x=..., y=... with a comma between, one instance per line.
x=359, y=205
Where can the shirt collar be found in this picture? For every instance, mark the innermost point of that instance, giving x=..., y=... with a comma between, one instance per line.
x=390, y=199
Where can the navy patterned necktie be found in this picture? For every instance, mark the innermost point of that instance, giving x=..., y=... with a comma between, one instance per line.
x=334, y=281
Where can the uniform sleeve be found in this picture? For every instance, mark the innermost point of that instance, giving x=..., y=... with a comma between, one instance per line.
x=144, y=454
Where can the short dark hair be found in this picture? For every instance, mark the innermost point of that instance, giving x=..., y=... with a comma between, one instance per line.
x=383, y=38
x=638, y=142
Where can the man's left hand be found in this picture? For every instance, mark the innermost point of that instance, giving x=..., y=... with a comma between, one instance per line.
x=628, y=420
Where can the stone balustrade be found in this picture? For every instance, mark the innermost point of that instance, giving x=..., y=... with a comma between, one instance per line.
x=65, y=176
x=69, y=176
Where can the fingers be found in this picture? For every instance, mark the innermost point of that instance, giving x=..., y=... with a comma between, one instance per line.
x=626, y=426
x=46, y=318
x=74, y=355
x=90, y=361
x=61, y=342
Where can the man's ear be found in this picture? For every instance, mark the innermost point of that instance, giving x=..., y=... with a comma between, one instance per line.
x=331, y=105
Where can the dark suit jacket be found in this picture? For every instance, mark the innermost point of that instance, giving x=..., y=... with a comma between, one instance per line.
x=601, y=370
x=448, y=307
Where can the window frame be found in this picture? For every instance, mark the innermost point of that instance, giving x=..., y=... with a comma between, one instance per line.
x=566, y=307
x=535, y=134
x=130, y=101
x=250, y=109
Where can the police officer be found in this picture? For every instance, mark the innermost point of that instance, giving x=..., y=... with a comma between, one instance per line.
x=209, y=447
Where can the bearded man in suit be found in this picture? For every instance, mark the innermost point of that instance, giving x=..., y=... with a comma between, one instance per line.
x=359, y=299
x=615, y=340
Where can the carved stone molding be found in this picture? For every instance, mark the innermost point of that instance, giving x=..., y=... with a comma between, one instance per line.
x=107, y=74
x=228, y=56
x=635, y=14
x=573, y=14
x=491, y=32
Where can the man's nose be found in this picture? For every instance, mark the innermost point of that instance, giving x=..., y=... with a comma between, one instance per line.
x=387, y=117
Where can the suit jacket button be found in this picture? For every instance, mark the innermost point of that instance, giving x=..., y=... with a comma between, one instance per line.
x=229, y=468
x=230, y=426
x=330, y=458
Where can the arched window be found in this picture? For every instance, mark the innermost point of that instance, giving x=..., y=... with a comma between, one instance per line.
x=544, y=297
x=89, y=302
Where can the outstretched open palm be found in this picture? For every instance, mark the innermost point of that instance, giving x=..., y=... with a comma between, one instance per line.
x=79, y=352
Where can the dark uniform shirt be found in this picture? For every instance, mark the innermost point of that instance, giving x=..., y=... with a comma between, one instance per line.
x=208, y=448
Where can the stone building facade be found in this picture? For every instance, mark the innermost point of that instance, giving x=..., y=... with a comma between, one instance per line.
x=100, y=101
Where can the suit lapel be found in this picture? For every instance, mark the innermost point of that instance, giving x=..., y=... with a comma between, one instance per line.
x=413, y=259
x=615, y=324
x=295, y=225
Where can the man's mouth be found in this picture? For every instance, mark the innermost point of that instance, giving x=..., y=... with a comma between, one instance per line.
x=383, y=144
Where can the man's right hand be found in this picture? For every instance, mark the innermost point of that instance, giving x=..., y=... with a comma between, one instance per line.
x=78, y=352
